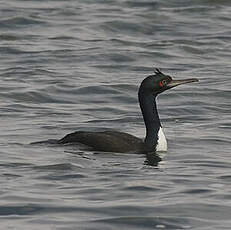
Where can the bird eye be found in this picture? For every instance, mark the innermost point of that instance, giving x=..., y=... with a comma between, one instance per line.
x=163, y=83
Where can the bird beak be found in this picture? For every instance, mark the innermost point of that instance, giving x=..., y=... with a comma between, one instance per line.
x=174, y=83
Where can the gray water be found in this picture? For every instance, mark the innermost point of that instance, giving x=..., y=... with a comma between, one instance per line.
x=76, y=65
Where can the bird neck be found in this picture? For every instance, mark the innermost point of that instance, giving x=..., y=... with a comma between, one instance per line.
x=151, y=118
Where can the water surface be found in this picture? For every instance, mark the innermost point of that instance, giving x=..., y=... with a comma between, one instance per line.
x=76, y=65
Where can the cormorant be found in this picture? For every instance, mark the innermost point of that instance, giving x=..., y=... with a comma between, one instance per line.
x=114, y=141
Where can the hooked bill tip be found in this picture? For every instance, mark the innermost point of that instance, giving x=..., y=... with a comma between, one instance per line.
x=195, y=80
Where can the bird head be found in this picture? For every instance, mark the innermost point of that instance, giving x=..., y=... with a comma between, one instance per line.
x=159, y=82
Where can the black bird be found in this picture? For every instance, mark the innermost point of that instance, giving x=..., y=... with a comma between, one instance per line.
x=114, y=141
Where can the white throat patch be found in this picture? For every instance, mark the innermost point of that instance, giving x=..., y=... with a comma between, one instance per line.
x=162, y=142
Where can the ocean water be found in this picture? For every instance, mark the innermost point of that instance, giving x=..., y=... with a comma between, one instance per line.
x=76, y=65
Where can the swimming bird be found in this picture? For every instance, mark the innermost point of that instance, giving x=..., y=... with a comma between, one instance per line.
x=114, y=141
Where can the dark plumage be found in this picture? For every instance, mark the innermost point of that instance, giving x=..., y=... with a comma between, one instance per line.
x=107, y=141
x=114, y=141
